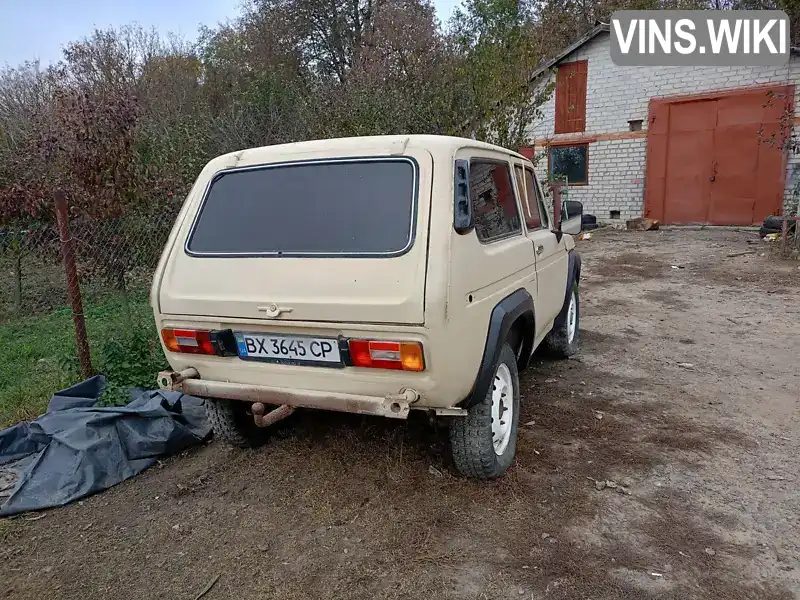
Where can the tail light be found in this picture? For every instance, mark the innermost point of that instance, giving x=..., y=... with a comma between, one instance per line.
x=379, y=354
x=198, y=341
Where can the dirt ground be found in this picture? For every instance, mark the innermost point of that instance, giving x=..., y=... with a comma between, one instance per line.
x=684, y=397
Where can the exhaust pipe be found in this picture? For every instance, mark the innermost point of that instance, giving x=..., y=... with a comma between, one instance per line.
x=172, y=380
x=265, y=420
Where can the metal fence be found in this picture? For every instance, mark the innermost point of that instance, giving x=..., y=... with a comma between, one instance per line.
x=90, y=274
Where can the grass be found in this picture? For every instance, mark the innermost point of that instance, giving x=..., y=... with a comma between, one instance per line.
x=38, y=358
x=7, y=529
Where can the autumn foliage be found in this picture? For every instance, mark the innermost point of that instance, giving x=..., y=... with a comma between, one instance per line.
x=125, y=121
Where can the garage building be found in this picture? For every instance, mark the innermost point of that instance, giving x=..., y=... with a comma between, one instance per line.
x=683, y=145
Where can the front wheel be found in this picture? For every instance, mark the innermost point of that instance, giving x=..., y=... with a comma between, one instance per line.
x=563, y=339
x=485, y=441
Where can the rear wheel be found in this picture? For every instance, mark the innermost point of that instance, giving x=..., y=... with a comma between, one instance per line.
x=233, y=423
x=485, y=441
x=562, y=341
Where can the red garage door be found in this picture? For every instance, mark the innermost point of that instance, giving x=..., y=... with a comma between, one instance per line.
x=717, y=158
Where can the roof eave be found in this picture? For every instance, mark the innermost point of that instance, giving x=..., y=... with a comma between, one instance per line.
x=590, y=35
x=587, y=37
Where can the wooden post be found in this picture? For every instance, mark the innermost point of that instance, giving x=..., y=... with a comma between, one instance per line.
x=73, y=285
x=784, y=235
x=556, y=190
x=17, y=292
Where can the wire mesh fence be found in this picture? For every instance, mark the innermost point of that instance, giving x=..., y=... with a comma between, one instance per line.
x=113, y=257
x=110, y=263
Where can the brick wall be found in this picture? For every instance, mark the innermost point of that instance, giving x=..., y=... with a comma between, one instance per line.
x=616, y=178
x=792, y=191
x=480, y=179
x=618, y=94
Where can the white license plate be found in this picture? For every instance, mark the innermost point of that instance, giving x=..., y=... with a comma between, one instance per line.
x=287, y=348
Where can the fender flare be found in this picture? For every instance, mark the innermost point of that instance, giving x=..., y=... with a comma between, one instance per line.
x=573, y=276
x=573, y=272
x=507, y=311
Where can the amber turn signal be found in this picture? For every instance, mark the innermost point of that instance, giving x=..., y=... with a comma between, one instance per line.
x=379, y=354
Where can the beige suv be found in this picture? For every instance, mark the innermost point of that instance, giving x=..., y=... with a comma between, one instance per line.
x=372, y=275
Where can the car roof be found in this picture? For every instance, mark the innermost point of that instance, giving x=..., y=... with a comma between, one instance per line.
x=368, y=145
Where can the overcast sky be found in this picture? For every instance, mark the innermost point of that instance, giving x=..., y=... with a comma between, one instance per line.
x=31, y=29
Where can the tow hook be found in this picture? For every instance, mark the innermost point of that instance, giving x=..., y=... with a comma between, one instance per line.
x=401, y=402
x=406, y=395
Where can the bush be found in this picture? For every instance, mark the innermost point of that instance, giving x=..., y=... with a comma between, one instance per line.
x=129, y=363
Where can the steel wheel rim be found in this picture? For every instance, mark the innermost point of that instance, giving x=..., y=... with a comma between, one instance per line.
x=502, y=408
x=572, y=318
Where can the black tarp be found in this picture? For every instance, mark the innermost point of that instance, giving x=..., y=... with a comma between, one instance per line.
x=77, y=447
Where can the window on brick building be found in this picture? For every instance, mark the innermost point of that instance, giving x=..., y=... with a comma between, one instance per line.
x=571, y=97
x=569, y=164
x=494, y=206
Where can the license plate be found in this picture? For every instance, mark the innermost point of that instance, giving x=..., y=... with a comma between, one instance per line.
x=285, y=348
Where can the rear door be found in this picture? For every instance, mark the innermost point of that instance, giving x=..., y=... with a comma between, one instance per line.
x=551, y=255
x=334, y=240
x=495, y=259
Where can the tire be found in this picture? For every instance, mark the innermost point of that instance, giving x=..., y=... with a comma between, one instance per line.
x=773, y=222
x=233, y=424
x=564, y=338
x=765, y=231
x=588, y=220
x=478, y=451
x=774, y=227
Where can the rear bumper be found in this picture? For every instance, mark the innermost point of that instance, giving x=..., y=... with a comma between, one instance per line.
x=395, y=406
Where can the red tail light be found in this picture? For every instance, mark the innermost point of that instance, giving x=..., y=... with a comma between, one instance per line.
x=190, y=341
x=378, y=354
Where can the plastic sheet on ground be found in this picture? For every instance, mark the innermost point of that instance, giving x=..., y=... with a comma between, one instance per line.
x=78, y=448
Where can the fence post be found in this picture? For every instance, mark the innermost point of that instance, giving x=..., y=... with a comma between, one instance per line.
x=556, y=186
x=784, y=234
x=73, y=285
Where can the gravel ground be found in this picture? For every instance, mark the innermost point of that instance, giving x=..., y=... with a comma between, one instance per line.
x=660, y=462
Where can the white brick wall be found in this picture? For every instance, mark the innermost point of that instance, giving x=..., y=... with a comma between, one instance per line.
x=792, y=190
x=616, y=178
x=480, y=180
x=618, y=94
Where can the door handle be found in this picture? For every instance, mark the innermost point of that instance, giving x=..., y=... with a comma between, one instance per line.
x=539, y=250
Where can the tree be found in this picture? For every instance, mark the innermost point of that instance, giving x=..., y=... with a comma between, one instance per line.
x=25, y=94
x=328, y=35
x=500, y=48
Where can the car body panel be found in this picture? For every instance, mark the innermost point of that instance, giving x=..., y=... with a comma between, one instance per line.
x=441, y=293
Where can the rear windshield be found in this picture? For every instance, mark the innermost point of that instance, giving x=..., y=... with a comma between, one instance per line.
x=356, y=208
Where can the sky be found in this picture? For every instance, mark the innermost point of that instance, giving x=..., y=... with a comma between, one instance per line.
x=39, y=29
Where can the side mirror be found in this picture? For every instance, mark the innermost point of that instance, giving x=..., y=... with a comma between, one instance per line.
x=572, y=208
x=571, y=221
x=567, y=215
x=462, y=205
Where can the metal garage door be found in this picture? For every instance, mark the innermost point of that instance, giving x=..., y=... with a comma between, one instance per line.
x=717, y=158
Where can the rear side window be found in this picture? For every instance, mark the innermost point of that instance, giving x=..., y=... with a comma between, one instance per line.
x=533, y=219
x=331, y=208
x=494, y=206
